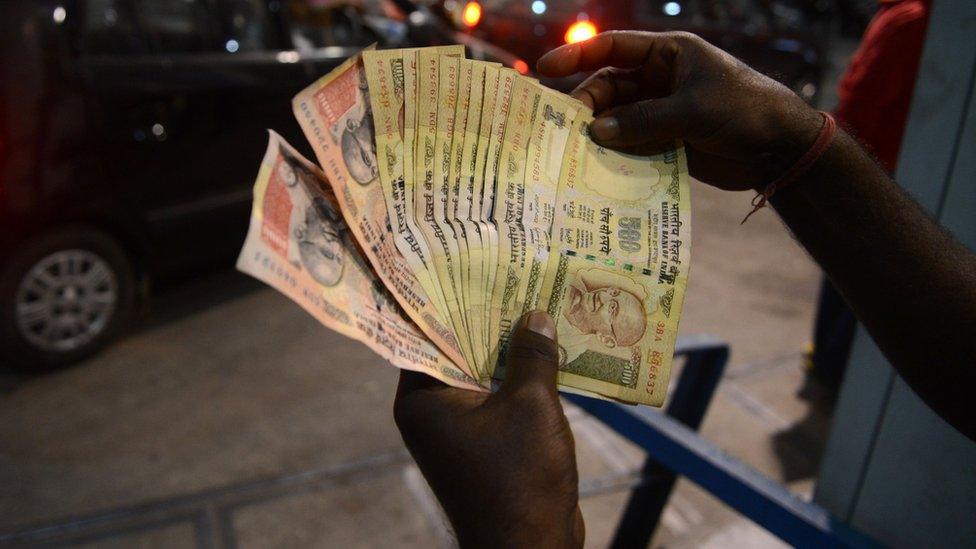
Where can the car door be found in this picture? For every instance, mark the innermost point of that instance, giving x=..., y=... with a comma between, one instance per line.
x=184, y=91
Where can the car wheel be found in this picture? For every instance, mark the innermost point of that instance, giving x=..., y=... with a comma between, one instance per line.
x=63, y=297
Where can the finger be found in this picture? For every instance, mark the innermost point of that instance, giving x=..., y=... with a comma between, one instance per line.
x=625, y=49
x=607, y=87
x=533, y=356
x=411, y=381
x=653, y=123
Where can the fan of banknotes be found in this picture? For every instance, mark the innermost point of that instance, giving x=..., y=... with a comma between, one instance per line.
x=452, y=196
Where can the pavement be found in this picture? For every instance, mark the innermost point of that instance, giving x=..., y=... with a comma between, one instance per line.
x=227, y=417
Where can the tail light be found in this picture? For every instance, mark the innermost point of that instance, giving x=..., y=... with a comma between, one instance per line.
x=580, y=31
x=471, y=14
x=521, y=66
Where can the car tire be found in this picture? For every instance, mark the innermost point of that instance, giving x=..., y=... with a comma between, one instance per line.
x=63, y=297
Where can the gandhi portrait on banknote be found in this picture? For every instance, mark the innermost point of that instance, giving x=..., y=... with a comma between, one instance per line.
x=320, y=243
x=316, y=225
x=358, y=145
x=607, y=306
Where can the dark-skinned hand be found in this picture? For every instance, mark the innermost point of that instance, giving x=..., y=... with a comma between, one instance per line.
x=741, y=129
x=502, y=465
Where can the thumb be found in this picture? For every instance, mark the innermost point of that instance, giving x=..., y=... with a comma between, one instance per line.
x=533, y=356
x=651, y=123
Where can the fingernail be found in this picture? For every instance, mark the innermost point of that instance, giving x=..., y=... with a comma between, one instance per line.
x=606, y=128
x=582, y=97
x=541, y=323
x=547, y=57
x=564, y=50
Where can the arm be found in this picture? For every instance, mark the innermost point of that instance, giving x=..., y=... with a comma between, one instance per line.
x=907, y=279
x=910, y=283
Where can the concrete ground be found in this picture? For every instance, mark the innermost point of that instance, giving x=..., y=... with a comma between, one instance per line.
x=229, y=417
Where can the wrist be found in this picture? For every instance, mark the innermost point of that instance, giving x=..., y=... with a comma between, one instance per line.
x=801, y=169
x=808, y=191
x=794, y=128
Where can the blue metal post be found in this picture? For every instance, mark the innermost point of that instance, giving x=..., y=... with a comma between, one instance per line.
x=702, y=371
x=673, y=446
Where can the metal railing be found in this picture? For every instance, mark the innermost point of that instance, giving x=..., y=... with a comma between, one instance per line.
x=674, y=448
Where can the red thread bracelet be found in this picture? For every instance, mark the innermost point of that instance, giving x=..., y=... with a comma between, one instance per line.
x=801, y=167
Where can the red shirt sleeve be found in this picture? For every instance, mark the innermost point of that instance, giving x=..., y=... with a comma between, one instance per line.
x=876, y=90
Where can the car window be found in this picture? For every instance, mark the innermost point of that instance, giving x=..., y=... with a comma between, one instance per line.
x=109, y=27
x=316, y=24
x=133, y=27
x=182, y=26
x=246, y=25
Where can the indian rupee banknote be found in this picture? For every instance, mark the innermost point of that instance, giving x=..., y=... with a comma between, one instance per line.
x=448, y=71
x=508, y=214
x=551, y=127
x=430, y=160
x=499, y=122
x=335, y=115
x=477, y=195
x=386, y=71
x=299, y=244
x=618, y=267
x=452, y=195
x=480, y=285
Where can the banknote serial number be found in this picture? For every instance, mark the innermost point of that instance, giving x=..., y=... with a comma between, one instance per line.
x=655, y=361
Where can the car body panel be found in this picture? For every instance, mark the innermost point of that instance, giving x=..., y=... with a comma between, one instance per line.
x=148, y=118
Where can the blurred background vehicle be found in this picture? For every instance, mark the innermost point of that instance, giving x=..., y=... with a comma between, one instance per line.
x=228, y=417
x=129, y=135
x=781, y=38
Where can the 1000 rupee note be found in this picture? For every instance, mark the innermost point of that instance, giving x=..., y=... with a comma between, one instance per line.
x=335, y=115
x=299, y=244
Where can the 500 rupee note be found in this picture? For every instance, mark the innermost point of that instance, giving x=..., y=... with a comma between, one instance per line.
x=508, y=214
x=385, y=74
x=551, y=127
x=618, y=267
x=496, y=133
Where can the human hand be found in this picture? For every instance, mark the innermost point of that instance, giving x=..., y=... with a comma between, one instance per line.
x=741, y=129
x=502, y=465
